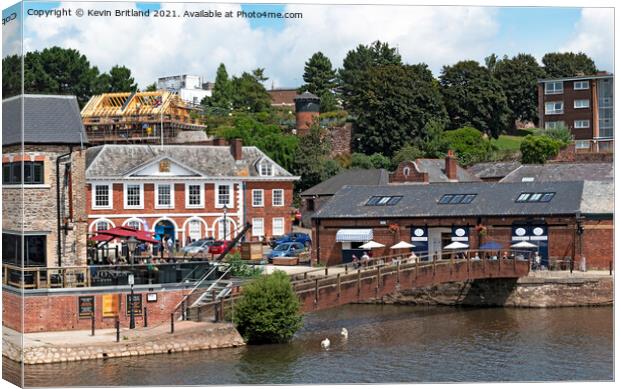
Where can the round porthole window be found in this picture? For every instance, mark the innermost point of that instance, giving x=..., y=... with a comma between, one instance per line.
x=520, y=231
x=418, y=232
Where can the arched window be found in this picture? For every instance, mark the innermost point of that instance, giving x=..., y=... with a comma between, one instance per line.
x=102, y=225
x=134, y=224
x=406, y=171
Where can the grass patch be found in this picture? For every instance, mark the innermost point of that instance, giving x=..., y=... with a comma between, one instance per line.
x=511, y=142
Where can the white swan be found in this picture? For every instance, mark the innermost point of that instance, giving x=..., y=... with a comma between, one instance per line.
x=325, y=343
x=344, y=333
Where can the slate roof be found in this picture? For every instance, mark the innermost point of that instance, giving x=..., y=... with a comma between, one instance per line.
x=497, y=170
x=597, y=198
x=436, y=169
x=283, y=96
x=600, y=171
x=492, y=199
x=307, y=95
x=348, y=177
x=47, y=119
x=116, y=161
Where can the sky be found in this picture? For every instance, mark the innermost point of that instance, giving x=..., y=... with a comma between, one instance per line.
x=436, y=35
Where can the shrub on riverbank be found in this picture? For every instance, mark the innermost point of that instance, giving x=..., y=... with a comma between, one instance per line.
x=268, y=310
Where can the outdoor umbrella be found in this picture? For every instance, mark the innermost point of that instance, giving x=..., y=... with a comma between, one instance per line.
x=490, y=246
x=524, y=245
x=371, y=244
x=402, y=245
x=456, y=246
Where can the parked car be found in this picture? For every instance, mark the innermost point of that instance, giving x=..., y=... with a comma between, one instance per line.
x=197, y=247
x=218, y=246
x=299, y=237
x=288, y=249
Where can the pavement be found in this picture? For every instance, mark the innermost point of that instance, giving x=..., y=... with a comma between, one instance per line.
x=564, y=274
x=68, y=338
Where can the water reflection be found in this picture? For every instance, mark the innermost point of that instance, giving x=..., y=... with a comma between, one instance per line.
x=386, y=344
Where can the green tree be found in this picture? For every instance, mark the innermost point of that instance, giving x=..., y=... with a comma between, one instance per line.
x=249, y=94
x=151, y=87
x=473, y=97
x=118, y=79
x=392, y=107
x=539, y=148
x=222, y=90
x=312, y=159
x=268, y=310
x=469, y=144
x=518, y=77
x=406, y=153
x=320, y=78
x=432, y=142
x=358, y=61
x=11, y=76
x=567, y=64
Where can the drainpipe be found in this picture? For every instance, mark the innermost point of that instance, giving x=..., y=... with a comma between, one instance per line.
x=58, y=221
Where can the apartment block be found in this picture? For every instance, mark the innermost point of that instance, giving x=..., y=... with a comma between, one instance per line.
x=584, y=105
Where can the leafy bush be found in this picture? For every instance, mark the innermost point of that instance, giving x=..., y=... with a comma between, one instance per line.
x=374, y=161
x=241, y=269
x=469, y=145
x=561, y=134
x=406, y=153
x=539, y=148
x=268, y=310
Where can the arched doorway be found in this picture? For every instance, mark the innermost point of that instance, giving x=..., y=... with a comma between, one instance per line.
x=165, y=228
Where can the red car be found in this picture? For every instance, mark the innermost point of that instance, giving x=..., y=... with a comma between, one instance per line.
x=218, y=246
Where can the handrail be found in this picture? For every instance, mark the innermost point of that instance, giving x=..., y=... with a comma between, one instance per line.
x=194, y=288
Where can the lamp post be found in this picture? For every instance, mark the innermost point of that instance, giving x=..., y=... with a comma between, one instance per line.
x=225, y=223
x=132, y=320
x=132, y=243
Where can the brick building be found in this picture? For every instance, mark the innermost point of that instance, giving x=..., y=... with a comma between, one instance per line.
x=188, y=191
x=43, y=183
x=583, y=104
x=566, y=220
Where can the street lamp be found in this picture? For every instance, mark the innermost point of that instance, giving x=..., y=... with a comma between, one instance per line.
x=225, y=212
x=132, y=320
x=132, y=243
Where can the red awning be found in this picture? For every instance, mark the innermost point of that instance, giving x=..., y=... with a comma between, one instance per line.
x=124, y=233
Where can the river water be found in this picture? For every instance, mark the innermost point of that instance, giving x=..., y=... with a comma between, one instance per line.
x=386, y=344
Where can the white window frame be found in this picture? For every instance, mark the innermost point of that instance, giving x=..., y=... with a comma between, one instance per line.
x=554, y=91
x=262, y=198
x=165, y=206
x=275, y=232
x=231, y=194
x=133, y=221
x=126, y=206
x=194, y=222
x=202, y=196
x=587, y=125
x=255, y=230
x=582, y=144
x=266, y=164
x=554, y=124
x=101, y=222
x=578, y=85
x=555, y=111
x=581, y=100
x=273, y=197
x=94, y=196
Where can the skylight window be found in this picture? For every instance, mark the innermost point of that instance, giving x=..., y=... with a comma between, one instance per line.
x=457, y=198
x=384, y=200
x=538, y=197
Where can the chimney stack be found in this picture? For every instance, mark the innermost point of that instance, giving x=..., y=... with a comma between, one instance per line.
x=236, y=149
x=451, y=165
x=219, y=142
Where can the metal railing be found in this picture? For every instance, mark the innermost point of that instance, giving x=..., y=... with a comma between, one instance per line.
x=104, y=275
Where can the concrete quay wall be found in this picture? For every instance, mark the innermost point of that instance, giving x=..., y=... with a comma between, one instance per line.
x=525, y=292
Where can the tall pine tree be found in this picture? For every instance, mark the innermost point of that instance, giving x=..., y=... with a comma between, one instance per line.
x=320, y=79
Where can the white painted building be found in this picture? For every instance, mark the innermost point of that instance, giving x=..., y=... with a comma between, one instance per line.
x=187, y=86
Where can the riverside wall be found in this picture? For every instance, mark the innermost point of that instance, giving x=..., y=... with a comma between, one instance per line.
x=524, y=292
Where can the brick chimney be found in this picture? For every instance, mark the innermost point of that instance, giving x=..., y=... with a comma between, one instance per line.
x=451, y=165
x=236, y=149
x=219, y=142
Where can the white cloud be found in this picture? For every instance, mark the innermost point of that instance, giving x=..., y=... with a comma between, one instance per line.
x=594, y=35
x=153, y=47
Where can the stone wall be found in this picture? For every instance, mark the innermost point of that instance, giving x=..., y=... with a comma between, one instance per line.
x=213, y=336
x=529, y=292
x=340, y=138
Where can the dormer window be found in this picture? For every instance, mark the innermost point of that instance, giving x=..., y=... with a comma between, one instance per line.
x=265, y=169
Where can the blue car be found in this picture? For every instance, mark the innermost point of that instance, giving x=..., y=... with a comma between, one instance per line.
x=289, y=249
x=299, y=237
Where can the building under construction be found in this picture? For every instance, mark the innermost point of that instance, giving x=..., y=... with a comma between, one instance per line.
x=140, y=117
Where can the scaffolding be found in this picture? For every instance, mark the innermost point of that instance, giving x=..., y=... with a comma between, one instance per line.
x=138, y=117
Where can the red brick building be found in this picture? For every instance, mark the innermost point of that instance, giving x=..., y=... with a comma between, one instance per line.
x=565, y=220
x=188, y=191
x=583, y=104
